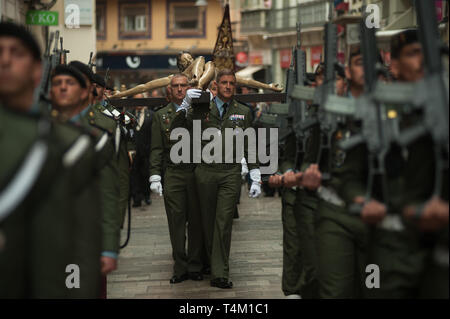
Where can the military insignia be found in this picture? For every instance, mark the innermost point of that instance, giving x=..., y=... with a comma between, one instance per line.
x=91, y=114
x=235, y=117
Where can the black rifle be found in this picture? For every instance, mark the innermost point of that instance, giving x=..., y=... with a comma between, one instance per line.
x=91, y=64
x=41, y=92
x=63, y=59
x=327, y=121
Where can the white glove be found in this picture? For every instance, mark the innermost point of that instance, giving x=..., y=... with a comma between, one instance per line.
x=255, y=175
x=190, y=94
x=255, y=190
x=156, y=186
x=244, y=168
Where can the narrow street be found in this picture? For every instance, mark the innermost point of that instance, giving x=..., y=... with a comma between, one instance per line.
x=145, y=265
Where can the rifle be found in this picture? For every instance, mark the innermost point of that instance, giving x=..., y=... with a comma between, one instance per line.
x=327, y=121
x=90, y=63
x=63, y=59
x=41, y=92
x=56, y=56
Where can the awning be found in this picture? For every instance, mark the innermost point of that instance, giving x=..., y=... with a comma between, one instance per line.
x=248, y=71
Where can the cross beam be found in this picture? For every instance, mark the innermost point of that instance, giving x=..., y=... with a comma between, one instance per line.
x=153, y=102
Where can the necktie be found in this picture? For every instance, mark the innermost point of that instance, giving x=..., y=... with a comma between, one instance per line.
x=225, y=106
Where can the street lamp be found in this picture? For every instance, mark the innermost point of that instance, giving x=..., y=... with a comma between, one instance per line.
x=201, y=3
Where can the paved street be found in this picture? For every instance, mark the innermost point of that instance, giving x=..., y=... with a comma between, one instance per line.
x=145, y=265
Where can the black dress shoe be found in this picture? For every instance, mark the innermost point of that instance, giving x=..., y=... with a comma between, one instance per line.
x=197, y=276
x=148, y=201
x=222, y=283
x=177, y=279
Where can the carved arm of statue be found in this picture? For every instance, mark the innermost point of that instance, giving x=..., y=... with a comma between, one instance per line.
x=141, y=88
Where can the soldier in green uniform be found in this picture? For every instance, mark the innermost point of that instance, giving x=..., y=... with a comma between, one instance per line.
x=342, y=239
x=123, y=140
x=180, y=194
x=72, y=103
x=219, y=181
x=412, y=257
x=44, y=231
x=292, y=255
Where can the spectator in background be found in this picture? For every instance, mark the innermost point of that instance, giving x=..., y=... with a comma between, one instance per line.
x=140, y=186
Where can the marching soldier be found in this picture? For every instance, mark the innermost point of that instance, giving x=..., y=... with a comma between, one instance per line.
x=413, y=257
x=180, y=193
x=219, y=183
x=123, y=135
x=45, y=232
x=292, y=255
x=342, y=239
x=71, y=99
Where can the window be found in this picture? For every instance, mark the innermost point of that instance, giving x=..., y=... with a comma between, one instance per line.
x=100, y=20
x=185, y=19
x=134, y=19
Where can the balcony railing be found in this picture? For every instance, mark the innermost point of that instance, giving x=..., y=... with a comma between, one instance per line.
x=278, y=20
x=254, y=21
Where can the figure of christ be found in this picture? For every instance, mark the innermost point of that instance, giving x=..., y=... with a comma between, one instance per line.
x=199, y=73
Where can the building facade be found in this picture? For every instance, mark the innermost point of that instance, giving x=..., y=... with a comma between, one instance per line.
x=270, y=27
x=139, y=40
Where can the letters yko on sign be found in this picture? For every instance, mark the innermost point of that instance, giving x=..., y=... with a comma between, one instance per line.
x=35, y=17
x=78, y=12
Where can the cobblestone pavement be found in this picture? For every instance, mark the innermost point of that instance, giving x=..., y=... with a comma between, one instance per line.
x=145, y=265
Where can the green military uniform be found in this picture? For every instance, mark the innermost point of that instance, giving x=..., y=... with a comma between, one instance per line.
x=413, y=264
x=292, y=254
x=306, y=217
x=50, y=229
x=121, y=145
x=103, y=128
x=342, y=238
x=180, y=195
x=219, y=183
